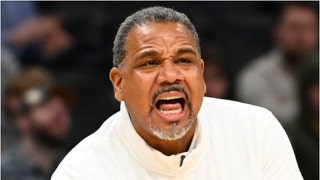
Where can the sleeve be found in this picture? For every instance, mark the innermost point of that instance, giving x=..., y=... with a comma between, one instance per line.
x=278, y=159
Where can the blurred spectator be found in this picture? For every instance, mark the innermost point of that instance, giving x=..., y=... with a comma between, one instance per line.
x=70, y=39
x=215, y=73
x=47, y=31
x=304, y=133
x=36, y=39
x=270, y=81
x=39, y=110
x=14, y=13
x=9, y=68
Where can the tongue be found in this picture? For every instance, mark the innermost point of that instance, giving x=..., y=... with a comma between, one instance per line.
x=171, y=106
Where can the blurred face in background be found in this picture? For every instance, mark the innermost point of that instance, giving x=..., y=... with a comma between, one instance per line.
x=216, y=81
x=297, y=30
x=50, y=121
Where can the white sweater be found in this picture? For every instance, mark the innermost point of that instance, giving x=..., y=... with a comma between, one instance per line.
x=235, y=141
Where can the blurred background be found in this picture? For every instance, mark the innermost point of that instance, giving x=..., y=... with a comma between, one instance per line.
x=56, y=57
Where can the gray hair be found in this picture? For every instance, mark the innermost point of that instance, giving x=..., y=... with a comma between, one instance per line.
x=152, y=14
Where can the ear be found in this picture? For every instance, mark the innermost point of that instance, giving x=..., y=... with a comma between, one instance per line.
x=202, y=65
x=116, y=80
x=202, y=69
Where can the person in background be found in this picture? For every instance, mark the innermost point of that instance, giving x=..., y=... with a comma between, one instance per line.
x=33, y=38
x=215, y=74
x=271, y=80
x=9, y=67
x=304, y=133
x=13, y=14
x=166, y=128
x=40, y=112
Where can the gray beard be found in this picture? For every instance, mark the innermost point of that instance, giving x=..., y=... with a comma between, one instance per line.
x=173, y=133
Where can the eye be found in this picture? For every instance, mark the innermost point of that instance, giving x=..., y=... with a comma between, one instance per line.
x=150, y=63
x=183, y=61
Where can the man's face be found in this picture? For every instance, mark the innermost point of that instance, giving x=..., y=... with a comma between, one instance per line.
x=161, y=80
x=216, y=81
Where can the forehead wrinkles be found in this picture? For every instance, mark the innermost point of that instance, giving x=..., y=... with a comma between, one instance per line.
x=157, y=35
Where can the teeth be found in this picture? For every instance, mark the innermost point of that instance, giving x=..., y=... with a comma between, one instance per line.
x=169, y=98
x=171, y=112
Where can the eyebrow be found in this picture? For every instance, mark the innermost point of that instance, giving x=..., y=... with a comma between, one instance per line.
x=186, y=50
x=150, y=53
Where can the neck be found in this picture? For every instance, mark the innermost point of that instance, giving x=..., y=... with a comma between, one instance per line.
x=43, y=156
x=293, y=62
x=292, y=67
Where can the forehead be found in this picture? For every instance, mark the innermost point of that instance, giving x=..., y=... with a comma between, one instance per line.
x=157, y=33
x=298, y=13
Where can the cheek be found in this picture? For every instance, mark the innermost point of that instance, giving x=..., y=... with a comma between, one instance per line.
x=312, y=39
x=199, y=82
x=133, y=86
x=41, y=118
x=137, y=89
x=196, y=85
x=195, y=79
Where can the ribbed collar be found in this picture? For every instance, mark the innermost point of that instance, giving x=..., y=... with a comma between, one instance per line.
x=153, y=159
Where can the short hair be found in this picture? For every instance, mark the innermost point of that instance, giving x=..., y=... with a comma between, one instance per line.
x=152, y=14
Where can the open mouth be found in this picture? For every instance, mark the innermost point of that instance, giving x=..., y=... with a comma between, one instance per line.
x=170, y=105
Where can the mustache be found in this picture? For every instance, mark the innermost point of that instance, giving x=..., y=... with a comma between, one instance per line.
x=168, y=89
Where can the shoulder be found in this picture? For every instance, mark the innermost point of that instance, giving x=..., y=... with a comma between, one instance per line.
x=90, y=154
x=230, y=107
x=237, y=116
x=15, y=163
x=8, y=161
x=240, y=124
x=261, y=66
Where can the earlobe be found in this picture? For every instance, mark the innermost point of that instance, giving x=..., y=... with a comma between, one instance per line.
x=116, y=80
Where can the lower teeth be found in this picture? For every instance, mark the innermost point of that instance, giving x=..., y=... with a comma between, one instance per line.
x=171, y=112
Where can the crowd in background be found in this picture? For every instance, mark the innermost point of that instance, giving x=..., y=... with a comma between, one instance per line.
x=56, y=56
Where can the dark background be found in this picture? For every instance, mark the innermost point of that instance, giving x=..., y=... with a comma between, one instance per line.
x=240, y=31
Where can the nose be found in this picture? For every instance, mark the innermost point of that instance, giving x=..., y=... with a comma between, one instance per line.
x=169, y=73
